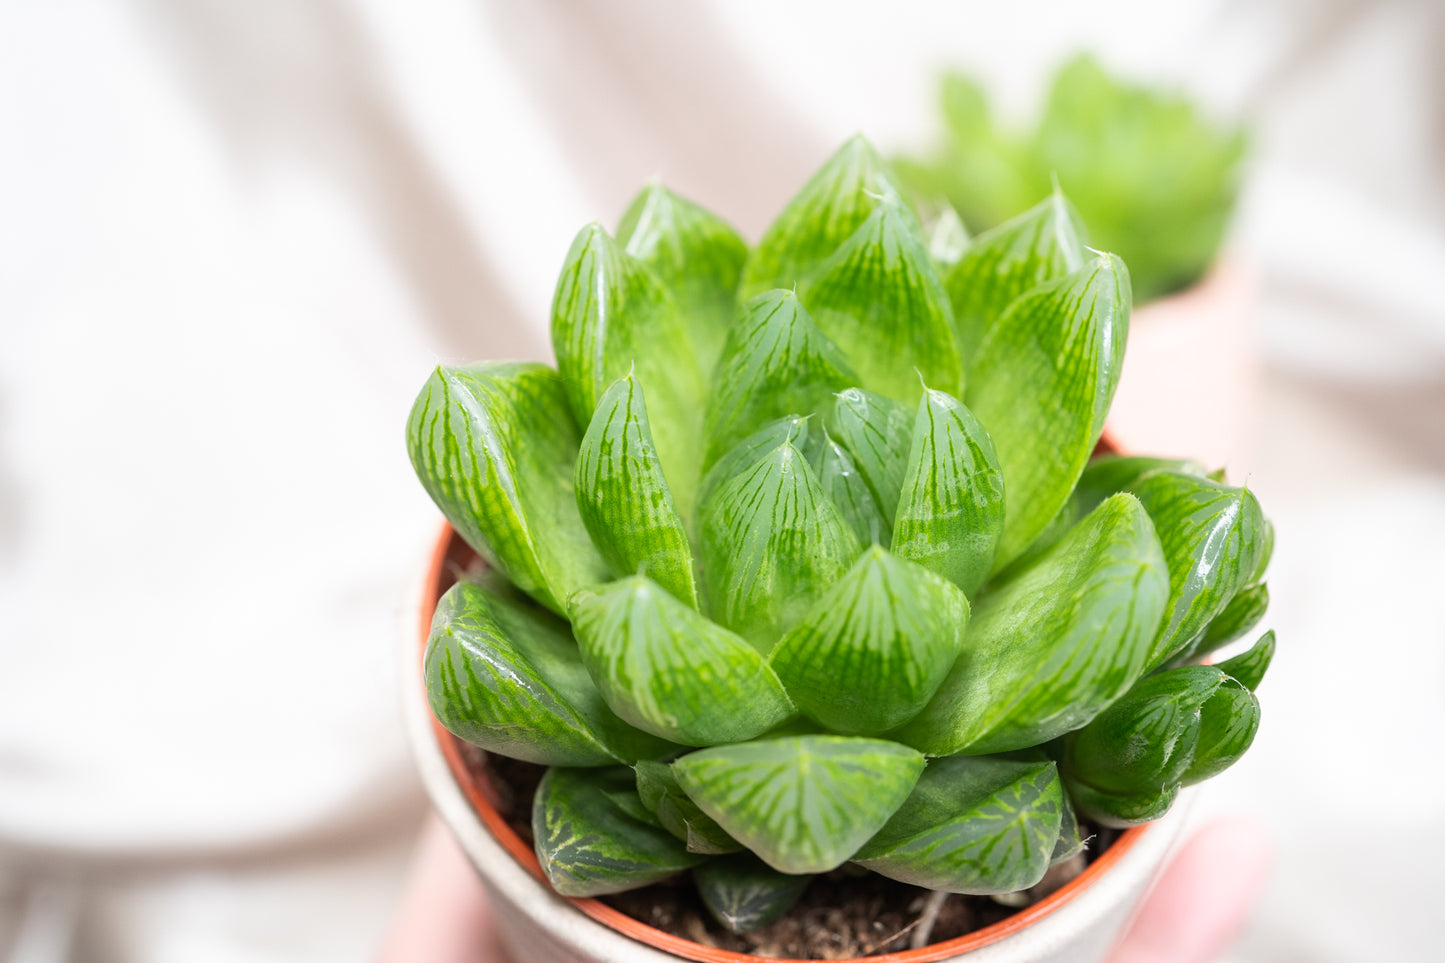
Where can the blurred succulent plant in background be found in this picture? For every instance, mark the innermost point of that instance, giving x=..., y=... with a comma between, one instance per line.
x=1154, y=179
x=801, y=557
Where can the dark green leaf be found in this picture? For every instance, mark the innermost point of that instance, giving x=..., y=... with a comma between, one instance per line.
x=826, y=212
x=875, y=647
x=1121, y=812
x=1212, y=536
x=611, y=315
x=878, y=297
x=877, y=431
x=696, y=254
x=510, y=680
x=776, y=363
x=494, y=445
x=849, y=491
x=1041, y=244
x=772, y=541
x=1051, y=648
x=624, y=498
x=671, y=672
x=1228, y=722
x=743, y=893
x=593, y=835
x=951, y=509
x=972, y=825
x=1110, y=474
x=804, y=804
x=679, y=815
x=1243, y=613
x=1249, y=667
x=1043, y=385
x=1071, y=841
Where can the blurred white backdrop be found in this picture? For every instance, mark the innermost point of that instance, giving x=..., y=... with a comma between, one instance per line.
x=234, y=237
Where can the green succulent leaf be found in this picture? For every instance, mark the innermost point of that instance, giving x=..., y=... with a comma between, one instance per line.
x=1243, y=613
x=826, y=212
x=951, y=506
x=508, y=678
x=594, y=836
x=772, y=541
x=878, y=297
x=877, y=431
x=670, y=671
x=973, y=825
x=743, y=893
x=1110, y=474
x=696, y=254
x=1045, y=378
x=611, y=315
x=947, y=240
x=1071, y=840
x=1121, y=812
x=494, y=445
x=1248, y=668
x=1050, y=649
x=746, y=453
x=776, y=363
x=1228, y=721
x=1212, y=535
x=658, y=789
x=624, y=497
x=1043, y=243
x=849, y=491
x=803, y=804
x=875, y=647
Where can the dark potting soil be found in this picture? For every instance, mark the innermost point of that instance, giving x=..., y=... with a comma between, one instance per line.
x=843, y=915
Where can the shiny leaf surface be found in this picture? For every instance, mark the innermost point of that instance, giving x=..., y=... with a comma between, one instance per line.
x=1228, y=722
x=743, y=893
x=1110, y=474
x=947, y=240
x=658, y=789
x=839, y=475
x=1242, y=614
x=877, y=431
x=1248, y=668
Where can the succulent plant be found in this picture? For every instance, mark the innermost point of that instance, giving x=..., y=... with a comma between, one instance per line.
x=862, y=594
x=1154, y=178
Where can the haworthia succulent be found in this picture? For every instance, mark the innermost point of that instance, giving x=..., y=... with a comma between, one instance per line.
x=659, y=791
x=696, y=254
x=839, y=475
x=670, y=671
x=878, y=297
x=1043, y=243
x=951, y=507
x=1242, y=614
x=1248, y=667
x=1049, y=650
x=1228, y=721
x=1110, y=474
x=1045, y=378
x=803, y=804
x=776, y=363
x=743, y=893
x=875, y=647
x=772, y=541
x=494, y=445
x=877, y=432
x=975, y=825
x=1212, y=536
x=510, y=680
x=1071, y=840
x=594, y=836
x=1121, y=811
x=624, y=498
x=745, y=454
x=611, y=315
x=826, y=212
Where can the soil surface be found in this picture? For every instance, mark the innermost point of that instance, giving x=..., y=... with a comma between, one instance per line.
x=843, y=915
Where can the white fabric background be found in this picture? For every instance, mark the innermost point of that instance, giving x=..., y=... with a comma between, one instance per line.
x=235, y=236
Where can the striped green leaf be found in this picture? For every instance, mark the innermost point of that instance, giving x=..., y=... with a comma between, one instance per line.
x=878, y=297
x=1121, y=812
x=845, y=485
x=1050, y=649
x=611, y=315
x=948, y=239
x=803, y=804
x=776, y=363
x=1248, y=668
x=670, y=671
x=746, y=453
x=494, y=445
x=509, y=679
x=973, y=824
x=624, y=497
x=772, y=541
x=951, y=508
x=831, y=206
x=1242, y=614
x=1212, y=535
x=1043, y=243
x=1228, y=722
x=875, y=647
x=594, y=836
x=658, y=789
x=1110, y=474
x=696, y=254
x=744, y=893
x=1043, y=385
x=878, y=432
x=1071, y=840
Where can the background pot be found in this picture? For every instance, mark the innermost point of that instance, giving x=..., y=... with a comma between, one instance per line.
x=1078, y=924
